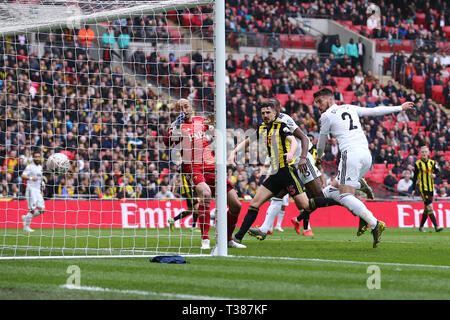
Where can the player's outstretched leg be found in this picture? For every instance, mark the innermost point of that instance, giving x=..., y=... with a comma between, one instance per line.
x=377, y=231
x=28, y=217
x=358, y=208
x=233, y=212
x=272, y=212
x=27, y=221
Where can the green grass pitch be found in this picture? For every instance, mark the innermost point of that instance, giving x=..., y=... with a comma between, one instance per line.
x=334, y=264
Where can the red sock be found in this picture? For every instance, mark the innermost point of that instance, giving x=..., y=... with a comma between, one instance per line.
x=231, y=224
x=204, y=219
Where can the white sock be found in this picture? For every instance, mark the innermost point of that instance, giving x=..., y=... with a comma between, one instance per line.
x=36, y=212
x=358, y=208
x=28, y=218
x=280, y=218
x=331, y=192
x=272, y=212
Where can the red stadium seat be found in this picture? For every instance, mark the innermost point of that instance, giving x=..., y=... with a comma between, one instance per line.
x=437, y=93
x=267, y=83
x=420, y=18
x=301, y=75
x=299, y=94
x=407, y=46
x=418, y=84
x=284, y=41
x=282, y=98
x=348, y=96
x=308, y=97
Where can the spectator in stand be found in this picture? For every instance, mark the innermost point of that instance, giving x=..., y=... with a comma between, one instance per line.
x=390, y=181
x=338, y=95
x=430, y=81
x=164, y=193
x=389, y=89
x=377, y=90
x=373, y=20
x=446, y=94
x=85, y=37
x=351, y=49
x=108, y=41
x=338, y=50
x=123, y=40
x=404, y=186
x=361, y=51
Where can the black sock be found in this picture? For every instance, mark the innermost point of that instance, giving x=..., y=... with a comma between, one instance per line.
x=304, y=214
x=433, y=219
x=424, y=218
x=194, y=219
x=182, y=215
x=320, y=202
x=249, y=218
x=306, y=223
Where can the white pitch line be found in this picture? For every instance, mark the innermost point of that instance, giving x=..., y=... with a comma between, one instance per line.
x=143, y=293
x=345, y=261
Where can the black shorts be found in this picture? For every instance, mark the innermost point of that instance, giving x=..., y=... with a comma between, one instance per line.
x=427, y=197
x=285, y=179
x=188, y=193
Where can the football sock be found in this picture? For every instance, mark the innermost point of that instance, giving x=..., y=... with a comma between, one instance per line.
x=306, y=223
x=332, y=193
x=320, y=202
x=358, y=208
x=231, y=224
x=36, y=212
x=424, y=218
x=433, y=219
x=182, y=215
x=194, y=219
x=28, y=218
x=249, y=218
x=204, y=217
x=303, y=215
x=280, y=218
x=272, y=211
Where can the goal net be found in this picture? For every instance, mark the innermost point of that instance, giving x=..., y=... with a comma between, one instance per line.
x=98, y=81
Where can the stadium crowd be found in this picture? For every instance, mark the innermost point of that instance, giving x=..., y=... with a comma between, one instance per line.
x=112, y=130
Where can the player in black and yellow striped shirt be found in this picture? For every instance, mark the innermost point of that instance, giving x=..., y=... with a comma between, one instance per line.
x=425, y=171
x=281, y=147
x=192, y=204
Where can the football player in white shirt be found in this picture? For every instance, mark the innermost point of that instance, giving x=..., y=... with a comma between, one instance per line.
x=309, y=176
x=36, y=205
x=344, y=124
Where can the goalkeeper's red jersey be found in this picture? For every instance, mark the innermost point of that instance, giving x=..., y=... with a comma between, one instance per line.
x=196, y=151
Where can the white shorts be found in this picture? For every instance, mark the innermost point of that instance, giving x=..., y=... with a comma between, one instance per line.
x=353, y=165
x=34, y=199
x=312, y=173
x=285, y=200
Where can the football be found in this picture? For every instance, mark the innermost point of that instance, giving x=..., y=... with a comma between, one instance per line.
x=58, y=163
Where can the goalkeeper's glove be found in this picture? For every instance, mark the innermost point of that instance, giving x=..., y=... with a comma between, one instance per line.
x=180, y=119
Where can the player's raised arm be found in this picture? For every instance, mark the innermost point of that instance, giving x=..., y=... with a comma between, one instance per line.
x=324, y=132
x=305, y=143
x=242, y=145
x=381, y=111
x=294, y=145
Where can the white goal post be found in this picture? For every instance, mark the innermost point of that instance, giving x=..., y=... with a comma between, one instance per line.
x=106, y=100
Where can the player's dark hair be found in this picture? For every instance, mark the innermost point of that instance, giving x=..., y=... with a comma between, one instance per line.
x=324, y=92
x=267, y=104
x=275, y=102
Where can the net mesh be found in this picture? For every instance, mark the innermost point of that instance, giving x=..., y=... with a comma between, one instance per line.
x=97, y=81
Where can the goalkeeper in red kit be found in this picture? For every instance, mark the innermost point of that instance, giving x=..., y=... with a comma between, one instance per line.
x=198, y=165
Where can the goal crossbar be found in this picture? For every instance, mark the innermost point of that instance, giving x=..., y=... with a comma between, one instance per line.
x=16, y=18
